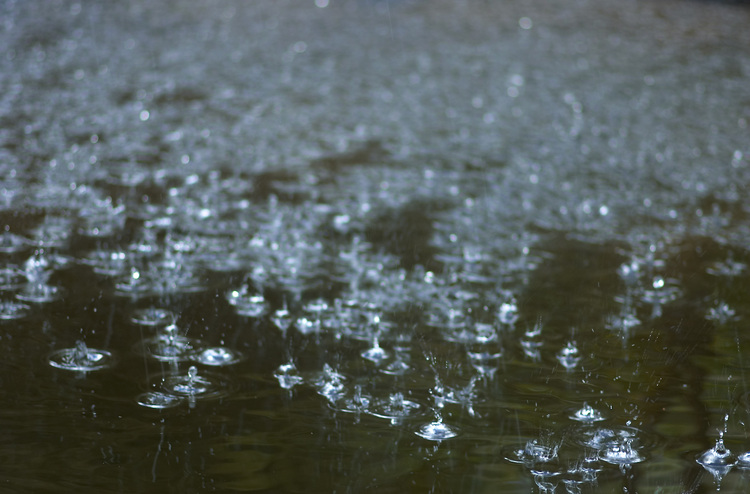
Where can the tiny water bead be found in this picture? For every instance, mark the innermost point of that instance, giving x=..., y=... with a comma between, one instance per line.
x=81, y=358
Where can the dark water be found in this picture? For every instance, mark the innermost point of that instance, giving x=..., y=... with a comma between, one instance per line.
x=374, y=246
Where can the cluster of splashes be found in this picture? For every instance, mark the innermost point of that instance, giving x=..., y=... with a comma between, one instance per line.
x=422, y=341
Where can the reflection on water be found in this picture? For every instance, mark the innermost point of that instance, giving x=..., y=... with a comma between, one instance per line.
x=374, y=246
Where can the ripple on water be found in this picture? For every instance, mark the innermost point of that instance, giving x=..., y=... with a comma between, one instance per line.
x=396, y=408
x=437, y=431
x=217, y=356
x=718, y=460
x=168, y=346
x=153, y=316
x=617, y=445
x=587, y=414
x=81, y=358
x=158, y=400
x=194, y=386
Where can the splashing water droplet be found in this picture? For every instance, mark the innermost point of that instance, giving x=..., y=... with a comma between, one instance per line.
x=193, y=385
x=11, y=310
x=437, y=431
x=158, y=400
x=81, y=358
x=170, y=346
x=569, y=357
x=217, y=356
x=717, y=459
x=287, y=376
x=587, y=414
x=375, y=353
x=153, y=316
x=396, y=408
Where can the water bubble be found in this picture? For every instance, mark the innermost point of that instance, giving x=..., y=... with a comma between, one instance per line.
x=217, y=356
x=81, y=358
